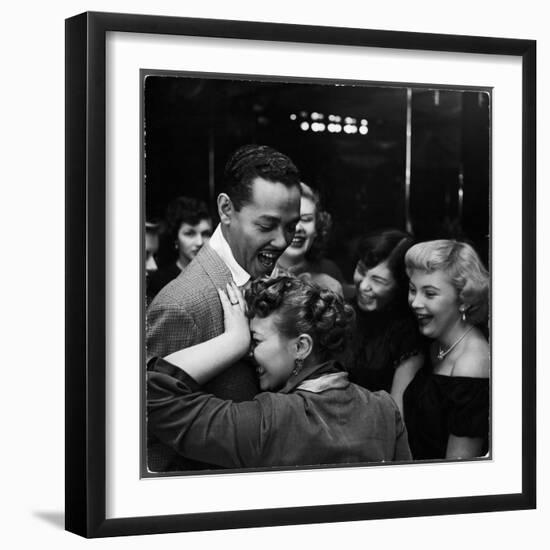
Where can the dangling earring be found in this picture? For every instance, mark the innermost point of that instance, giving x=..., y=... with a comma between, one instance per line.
x=462, y=310
x=298, y=364
x=176, y=247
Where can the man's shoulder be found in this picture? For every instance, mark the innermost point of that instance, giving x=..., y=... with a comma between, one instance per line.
x=190, y=285
x=197, y=275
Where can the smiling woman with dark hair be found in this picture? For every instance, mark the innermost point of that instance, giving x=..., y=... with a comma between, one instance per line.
x=189, y=227
x=308, y=412
x=387, y=349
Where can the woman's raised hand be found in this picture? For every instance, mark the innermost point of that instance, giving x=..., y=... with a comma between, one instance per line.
x=234, y=316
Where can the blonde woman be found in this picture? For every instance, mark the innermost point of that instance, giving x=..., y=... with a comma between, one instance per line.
x=447, y=403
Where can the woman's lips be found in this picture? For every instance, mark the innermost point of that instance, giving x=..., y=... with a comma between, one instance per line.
x=298, y=242
x=423, y=320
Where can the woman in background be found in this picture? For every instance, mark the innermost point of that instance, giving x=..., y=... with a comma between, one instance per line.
x=447, y=403
x=189, y=227
x=387, y=349
x=308, y=412
x=304, y=255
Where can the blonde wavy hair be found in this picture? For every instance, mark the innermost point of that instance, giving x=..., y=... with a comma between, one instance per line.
x=464, y=268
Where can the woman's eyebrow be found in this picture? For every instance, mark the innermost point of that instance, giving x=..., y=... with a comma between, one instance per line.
x=430, y=287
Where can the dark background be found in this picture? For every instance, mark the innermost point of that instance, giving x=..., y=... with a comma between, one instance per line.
x=192, y=125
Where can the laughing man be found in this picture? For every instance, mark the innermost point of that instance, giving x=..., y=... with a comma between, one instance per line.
x=258, y=210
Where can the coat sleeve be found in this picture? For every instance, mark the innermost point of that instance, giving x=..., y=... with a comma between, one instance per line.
x=402, y=450
x=202, y=427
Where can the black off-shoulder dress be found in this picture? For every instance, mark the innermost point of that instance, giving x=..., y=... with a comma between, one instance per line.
x=437, y=406
x=382, y=341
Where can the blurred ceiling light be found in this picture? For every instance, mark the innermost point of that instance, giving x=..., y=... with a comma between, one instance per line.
x=364, y=130
x=292, y=116
x=304, y=126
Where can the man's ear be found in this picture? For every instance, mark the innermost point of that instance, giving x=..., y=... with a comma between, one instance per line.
x=303, y=346
x=225, y=208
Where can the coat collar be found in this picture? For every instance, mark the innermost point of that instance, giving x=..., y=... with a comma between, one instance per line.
x=317, y=378
x=219, y=244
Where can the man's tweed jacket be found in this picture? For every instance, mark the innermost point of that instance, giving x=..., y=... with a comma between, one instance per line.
x=188, y=311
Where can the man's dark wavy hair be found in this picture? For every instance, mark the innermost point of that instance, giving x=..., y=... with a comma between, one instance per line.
x=252, y=161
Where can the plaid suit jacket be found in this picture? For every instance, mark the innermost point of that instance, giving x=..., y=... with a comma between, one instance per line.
x=188, y=311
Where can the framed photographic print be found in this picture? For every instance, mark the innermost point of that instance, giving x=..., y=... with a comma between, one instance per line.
x=392, y=135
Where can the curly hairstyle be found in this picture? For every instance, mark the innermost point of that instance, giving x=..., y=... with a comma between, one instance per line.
x=185, y=210
x=464, y=268
x=252, y=161
x=303, y=307
x=323, y=223
x=388, y=246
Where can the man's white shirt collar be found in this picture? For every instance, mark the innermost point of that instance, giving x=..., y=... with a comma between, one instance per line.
x=218, y=243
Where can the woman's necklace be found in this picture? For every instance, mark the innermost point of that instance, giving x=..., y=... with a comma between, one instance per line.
x=442, y=354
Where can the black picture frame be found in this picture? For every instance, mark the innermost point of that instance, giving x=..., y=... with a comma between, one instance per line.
x=86, y=261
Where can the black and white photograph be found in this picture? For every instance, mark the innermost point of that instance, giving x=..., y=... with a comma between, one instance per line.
x=301, y=264
x=275, y=275
x=316, y=273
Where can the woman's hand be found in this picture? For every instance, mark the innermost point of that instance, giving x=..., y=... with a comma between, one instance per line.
x=234, y=317
x=206, y=360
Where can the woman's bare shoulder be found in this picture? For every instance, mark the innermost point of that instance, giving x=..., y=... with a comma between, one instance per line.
x=474, y=361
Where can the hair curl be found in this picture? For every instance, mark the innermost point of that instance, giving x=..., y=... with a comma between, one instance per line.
x=185, y=210
x=252, y=161
x=302, y=307
x=464, y=268
x=390, y=246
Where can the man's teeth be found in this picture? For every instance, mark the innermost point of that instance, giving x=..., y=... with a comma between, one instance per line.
x=267, y=257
